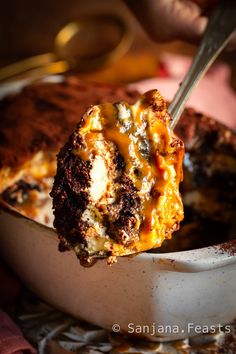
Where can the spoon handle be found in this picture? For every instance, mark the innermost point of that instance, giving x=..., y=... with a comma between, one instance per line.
x=220, y=26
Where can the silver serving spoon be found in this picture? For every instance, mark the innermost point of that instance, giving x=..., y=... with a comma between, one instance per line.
x=221, y=25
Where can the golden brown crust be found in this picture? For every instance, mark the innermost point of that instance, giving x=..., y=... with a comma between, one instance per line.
x=43, y=114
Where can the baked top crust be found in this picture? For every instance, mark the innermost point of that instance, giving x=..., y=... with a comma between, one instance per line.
x=43, y=114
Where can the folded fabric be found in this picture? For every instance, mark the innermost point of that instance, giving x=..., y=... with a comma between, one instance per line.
x=11, y=287
x=11, y=338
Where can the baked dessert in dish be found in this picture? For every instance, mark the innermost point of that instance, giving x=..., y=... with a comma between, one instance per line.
x=37, y=122
x=116, y=191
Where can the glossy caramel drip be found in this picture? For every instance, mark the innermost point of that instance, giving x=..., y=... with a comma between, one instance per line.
x=147, y=169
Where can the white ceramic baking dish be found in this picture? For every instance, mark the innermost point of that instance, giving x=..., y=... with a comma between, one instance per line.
x=169, y=294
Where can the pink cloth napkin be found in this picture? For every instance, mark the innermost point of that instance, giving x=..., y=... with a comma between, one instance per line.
x=11, y=338
x=213, y=96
